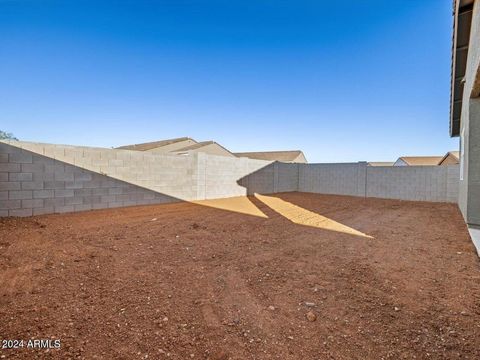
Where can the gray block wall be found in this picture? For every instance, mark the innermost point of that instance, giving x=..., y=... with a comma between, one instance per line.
x=169, y=174
x=286, y=177
x=45, y=178
x=73, y=178
x=420, y=183
x=223, y=174
x=339, y=179
x=261, y=181
x=32, y=184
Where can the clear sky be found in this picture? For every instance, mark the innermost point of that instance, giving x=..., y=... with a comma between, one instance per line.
x=341, y=80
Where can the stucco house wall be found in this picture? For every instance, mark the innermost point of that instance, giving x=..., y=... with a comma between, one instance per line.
x=469, y=192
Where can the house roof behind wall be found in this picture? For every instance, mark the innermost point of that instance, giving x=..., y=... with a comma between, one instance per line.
x=153, y=145
x=200, y=145
x=285, y=156
x=454, y=154
x=381, y=163
x=421, y=160
x=197, y=145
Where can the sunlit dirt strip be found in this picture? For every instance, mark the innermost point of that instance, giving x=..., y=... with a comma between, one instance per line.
x=301, y=216
x=240, y=204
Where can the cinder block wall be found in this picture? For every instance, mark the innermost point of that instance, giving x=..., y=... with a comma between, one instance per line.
x=223, y=174
x=421, y=183
x=45, y=178
x=168, y=174
x=339, y=179
x=32, y=184
x=286, y=177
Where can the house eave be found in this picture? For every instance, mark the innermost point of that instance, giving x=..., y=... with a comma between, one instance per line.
x=462, y=19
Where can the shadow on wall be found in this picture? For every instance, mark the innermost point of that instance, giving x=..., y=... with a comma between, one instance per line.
x=283, y=177
x=273, y=178
x=38, y=184
x=33, y=183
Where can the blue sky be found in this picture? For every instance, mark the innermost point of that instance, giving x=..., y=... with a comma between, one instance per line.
x=343, y=81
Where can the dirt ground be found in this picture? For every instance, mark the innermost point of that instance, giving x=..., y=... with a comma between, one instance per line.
x=287, y=276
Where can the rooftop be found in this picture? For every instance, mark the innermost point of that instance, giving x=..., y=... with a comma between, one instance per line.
x=381, y=163
x=286, y=156
x=421, y=160
x=153, y=145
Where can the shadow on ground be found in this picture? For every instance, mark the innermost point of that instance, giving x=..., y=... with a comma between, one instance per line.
x=183, y=279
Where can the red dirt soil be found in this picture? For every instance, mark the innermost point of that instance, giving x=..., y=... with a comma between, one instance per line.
x=203, y=283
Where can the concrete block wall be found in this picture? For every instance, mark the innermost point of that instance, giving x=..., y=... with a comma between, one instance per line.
x=32, y=184
x=45, y=178
x=260, y=181
x=169, y=174
x=453, y=183
x=420, y=183
x=271, y=177
x=223, y=176
x=340, y=179
x=74, y=178
x=286, y=177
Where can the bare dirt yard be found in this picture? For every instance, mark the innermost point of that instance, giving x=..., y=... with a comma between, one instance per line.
x=285, y=276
